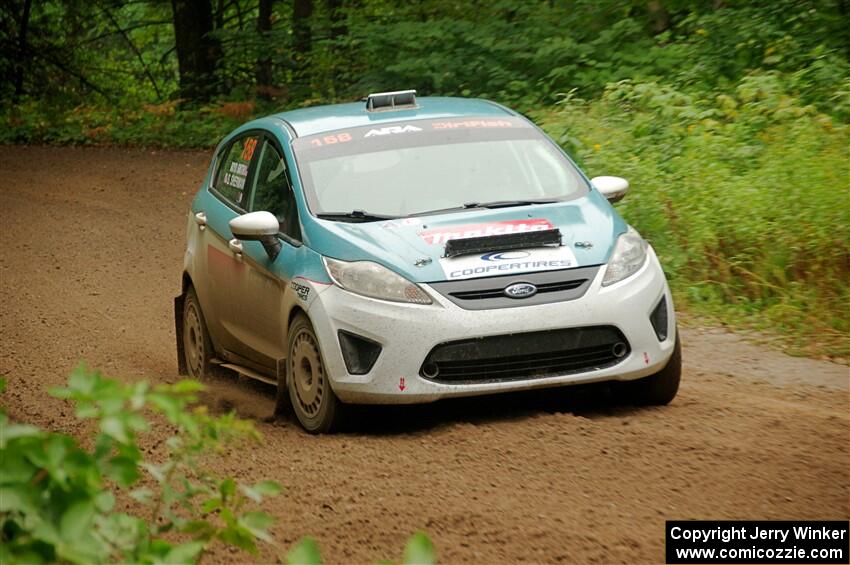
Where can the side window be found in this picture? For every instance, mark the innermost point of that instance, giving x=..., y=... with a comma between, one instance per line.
x=273, y=193
x=232, y=173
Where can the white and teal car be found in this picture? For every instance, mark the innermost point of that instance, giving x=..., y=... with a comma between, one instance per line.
x=404, y=249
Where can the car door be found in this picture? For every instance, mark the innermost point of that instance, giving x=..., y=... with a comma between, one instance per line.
x=262, y=283
x=225, y=269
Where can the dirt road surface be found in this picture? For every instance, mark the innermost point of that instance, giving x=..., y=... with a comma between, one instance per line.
x=92, y=242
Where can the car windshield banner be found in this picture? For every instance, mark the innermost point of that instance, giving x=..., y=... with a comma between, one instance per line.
x=413, y=133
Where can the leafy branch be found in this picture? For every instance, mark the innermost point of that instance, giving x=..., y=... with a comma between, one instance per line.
x=57, y=498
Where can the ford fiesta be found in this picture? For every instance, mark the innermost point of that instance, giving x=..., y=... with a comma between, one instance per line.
x=405, y=249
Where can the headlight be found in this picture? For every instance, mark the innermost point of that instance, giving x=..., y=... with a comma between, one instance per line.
x=628, y=257
x=375, y=281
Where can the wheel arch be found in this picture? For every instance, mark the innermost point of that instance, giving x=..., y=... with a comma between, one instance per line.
x=294, y=311
x=186, y=282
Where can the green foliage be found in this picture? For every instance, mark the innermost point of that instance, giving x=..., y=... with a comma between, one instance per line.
x=58, y=499
x=744, y=194
x=306, y=552
x=418, y=551
x=83, y=59
x=165, y=125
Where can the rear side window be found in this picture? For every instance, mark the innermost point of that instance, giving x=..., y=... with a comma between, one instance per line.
x=273, y=193
x=231, y=180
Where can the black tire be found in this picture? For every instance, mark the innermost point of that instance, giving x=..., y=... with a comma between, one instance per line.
x=197, y=344
x=313, y=400
x=658, y=389
x=282, y=406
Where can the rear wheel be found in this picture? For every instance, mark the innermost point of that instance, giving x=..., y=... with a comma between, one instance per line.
x=197, y=345
x=313, y=401
x=660, y=388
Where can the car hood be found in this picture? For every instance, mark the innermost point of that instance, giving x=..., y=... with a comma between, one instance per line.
x=415, y=247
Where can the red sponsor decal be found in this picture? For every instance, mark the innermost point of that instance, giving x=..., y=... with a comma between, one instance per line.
x=331, y=139
x=472, y=124
x=248, y=148
x=439, y=236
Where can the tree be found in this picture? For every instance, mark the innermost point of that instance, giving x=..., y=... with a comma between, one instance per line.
x=264, y=73
x=302, y=10
x=338, y=31
x=338, y=27
x=22, y=49
x=198, y=52
x=659, y=15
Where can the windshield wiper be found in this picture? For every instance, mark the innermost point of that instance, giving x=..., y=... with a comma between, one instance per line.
x=354, y=216
x=494, y=204
x=509, y=203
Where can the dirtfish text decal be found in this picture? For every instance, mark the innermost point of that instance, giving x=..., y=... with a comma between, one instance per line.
x=439, y=236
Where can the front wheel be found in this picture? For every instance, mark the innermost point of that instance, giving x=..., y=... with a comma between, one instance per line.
x=313, y=401
x=660, y=388
x=197, y=344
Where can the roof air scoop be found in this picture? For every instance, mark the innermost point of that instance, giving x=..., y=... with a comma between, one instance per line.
x=383, y=101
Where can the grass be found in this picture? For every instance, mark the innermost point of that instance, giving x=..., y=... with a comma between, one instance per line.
x=744, y=196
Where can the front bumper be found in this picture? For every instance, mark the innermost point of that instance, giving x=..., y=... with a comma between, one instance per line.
x=407, y=333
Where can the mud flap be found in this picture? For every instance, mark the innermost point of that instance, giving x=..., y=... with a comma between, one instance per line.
x=178, y=333
x=281, y=403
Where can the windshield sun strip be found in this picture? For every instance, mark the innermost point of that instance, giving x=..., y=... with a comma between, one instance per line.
x=306, y=151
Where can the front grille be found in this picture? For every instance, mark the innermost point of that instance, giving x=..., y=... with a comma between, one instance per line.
x=530, y=355
x=488, y=292
x=499, y=292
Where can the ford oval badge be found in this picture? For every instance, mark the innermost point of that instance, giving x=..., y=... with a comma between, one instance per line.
x=520, y=290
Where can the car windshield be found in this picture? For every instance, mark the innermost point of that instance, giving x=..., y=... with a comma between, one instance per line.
x=423, y=166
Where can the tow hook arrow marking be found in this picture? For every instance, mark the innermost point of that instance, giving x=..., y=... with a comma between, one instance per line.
x=401, y=386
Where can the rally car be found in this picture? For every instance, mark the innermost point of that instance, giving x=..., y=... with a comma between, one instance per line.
x=404, y=249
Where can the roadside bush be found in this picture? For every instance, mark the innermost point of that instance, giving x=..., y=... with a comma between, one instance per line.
x=743, y=193
x=162, y=125
x=59, y=496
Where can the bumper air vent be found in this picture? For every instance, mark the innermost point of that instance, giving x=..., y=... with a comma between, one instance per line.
x=532, y=355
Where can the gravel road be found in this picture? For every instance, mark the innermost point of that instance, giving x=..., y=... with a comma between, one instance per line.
x=92, y=242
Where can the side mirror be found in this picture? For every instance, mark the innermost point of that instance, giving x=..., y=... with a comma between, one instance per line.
x=612, y=188
x=258, y=226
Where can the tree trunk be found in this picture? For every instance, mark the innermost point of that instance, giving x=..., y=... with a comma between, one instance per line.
x=219, y=15
x=843, y=11
x=338, y=27
x=660, y=16
x=302, y=10
x=338, y=30
x=198, y=52
x=264, y=60
x=22, y=50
